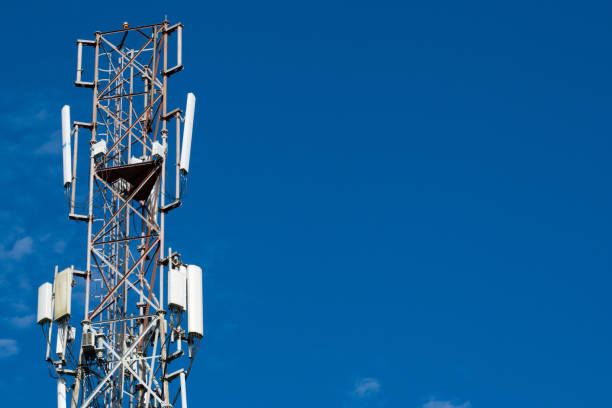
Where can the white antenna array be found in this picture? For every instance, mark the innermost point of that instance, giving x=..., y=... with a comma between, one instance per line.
x=132, y=349
x=66, y=160
x=186, y=150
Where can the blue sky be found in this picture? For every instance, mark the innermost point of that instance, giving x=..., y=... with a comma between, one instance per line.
x=396, y=205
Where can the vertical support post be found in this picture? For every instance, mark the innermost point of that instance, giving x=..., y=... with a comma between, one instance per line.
x=131, y=106
x=163, y=361
x=61, y=393
x=49, y=336
x=74, y=167
x=177, y=117
x=183, y=391
x=164, y=132
x=152, y=366
x=94, y=120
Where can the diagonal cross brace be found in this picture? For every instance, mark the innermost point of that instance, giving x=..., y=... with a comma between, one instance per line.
x=139, y=66
x=151, y=225
x=124, y=360
x=129, y=130
x=95, y=392
x=101, y=93
x=120, y=283
x=130, y=197
x=95, y=251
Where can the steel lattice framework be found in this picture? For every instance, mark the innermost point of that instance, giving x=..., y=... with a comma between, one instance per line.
x=132, y=348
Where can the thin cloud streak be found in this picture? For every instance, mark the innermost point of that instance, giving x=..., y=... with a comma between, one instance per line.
x=21, y=247
x=52, y=146
x=8, y=348
x=21, y=322
x=366, y=387
x=432, y=403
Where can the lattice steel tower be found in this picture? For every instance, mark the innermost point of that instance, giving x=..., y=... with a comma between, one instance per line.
x=136, y=350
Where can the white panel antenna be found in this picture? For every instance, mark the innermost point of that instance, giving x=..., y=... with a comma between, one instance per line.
x=177, y=286
x=63, y=293
x=187, y=133
x=61, y=393
x=45, y=303
x=66, y=156
x=195, y=306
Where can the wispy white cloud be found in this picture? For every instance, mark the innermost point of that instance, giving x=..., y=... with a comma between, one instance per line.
x=434, y=403
x=32, y=158
x=59, y=247
x=51, y=147
x=21, y=322
x=366, y=387
x=8, y=348
x=21, y=247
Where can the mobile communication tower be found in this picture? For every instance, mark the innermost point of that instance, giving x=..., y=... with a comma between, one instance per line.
x=136, y=350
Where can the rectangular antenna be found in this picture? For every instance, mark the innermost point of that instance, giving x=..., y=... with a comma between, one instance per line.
x=187, y=132
x=66, y=145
